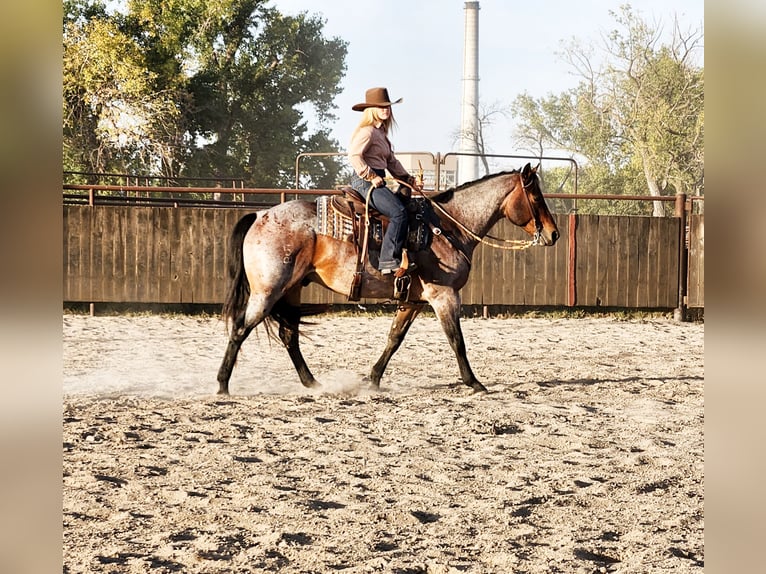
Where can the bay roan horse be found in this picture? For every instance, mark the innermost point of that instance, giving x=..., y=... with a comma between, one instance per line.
x=276, y=252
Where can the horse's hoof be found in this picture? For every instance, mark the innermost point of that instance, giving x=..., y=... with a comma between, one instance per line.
x=478, y=387
x=223, y=392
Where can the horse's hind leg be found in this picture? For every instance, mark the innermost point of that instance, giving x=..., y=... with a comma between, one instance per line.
x=287, y=312
x=243, y=323
x=403, y=319
x=239, y=333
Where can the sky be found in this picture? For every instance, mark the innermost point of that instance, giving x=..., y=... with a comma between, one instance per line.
x=415, y=49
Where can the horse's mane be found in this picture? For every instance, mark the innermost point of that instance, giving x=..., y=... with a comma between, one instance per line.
x=447, y=194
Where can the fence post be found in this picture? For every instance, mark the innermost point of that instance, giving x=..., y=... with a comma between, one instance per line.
x=679, y=314
x=572, y=262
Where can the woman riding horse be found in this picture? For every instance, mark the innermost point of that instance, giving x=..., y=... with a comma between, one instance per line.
x=276, y=252
x=371, y=154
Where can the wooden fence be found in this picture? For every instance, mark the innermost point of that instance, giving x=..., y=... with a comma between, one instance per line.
x=131, y=254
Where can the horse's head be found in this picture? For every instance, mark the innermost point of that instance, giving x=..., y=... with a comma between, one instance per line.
x=525, y=206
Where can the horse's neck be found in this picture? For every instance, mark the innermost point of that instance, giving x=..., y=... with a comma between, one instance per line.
x=478, y=207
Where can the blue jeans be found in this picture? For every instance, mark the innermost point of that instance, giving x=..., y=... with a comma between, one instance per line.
x=388, y=203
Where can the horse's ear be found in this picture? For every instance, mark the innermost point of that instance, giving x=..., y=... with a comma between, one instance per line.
x=526, y=169
x=537, y=167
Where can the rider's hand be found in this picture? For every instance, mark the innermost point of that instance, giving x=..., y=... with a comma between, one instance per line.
x=415, y=183
x=378, y=181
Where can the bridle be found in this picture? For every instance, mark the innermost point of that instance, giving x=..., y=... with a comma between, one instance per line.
x=535, y=212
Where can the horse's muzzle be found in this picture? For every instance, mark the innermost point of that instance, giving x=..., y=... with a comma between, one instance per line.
x=549, y=238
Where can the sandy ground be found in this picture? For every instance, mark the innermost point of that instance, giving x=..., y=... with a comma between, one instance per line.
x=585, y=456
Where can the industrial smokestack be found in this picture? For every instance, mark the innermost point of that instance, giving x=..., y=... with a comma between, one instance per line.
x=468, y=166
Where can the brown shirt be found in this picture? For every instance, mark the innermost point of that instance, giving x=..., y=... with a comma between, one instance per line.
x=370, y=148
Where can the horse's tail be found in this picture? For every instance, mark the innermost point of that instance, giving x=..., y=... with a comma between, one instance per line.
x=239, y=289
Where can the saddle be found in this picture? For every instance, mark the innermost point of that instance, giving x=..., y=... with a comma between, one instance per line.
x=343, y=217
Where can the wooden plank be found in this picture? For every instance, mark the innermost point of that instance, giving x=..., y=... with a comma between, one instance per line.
x=113, y=254
x=563, y=273
x=229, y=220
x=109, y=290
x=602, y=261
x=658, y=272
x=591, y=263
x=141, y=289
x=97, y=272
x=629, y=254
x=519, y=284
x=471, y=294
x=622, y=255
x=162, y=282
x=174, y=288
x=652, y=265
x=484, y=270
x=528, y=275
x=218, y=273
x=641, y=247
x=496, y=277
x=72, y=227
x=531, y=272
x=582, y=257
x=607, y=260
x=103, y=256
x=551, y=274
x=205, y=264
x=669, y=260
x=81, y=253
x=190, y=248
x=69, y=246
x=562, y=263
x=505, y=295
x=215, y=269
x=86, y=250
x=129, y=249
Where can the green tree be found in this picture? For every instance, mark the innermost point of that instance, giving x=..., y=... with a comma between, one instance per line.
x=113, y=117
x=638, y=119
x=228, y=84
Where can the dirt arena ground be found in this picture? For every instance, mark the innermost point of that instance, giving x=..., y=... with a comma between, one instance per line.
x=586, y=455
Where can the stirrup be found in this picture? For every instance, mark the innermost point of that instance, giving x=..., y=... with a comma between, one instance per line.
x=355, y=292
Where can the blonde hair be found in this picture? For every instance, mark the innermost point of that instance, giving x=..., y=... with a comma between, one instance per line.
x=370, y=118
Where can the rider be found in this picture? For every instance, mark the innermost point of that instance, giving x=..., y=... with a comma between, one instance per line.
x=371, y=154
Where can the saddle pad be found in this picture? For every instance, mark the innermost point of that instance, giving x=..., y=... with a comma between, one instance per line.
x=331, y=222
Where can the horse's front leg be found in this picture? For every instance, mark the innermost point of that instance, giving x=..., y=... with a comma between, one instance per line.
x=447, y=309
x=403, y=319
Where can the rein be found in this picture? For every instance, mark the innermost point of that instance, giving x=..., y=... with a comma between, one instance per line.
x=500, y=243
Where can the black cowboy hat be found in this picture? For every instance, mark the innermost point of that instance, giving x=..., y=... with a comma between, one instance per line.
x=375, y=98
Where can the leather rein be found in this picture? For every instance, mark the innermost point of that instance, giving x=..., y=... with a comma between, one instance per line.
x=499, y=243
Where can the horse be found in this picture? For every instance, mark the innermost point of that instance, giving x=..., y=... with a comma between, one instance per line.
x=274, y=253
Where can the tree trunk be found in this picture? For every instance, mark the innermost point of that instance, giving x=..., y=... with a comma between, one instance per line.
x=658, y=210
